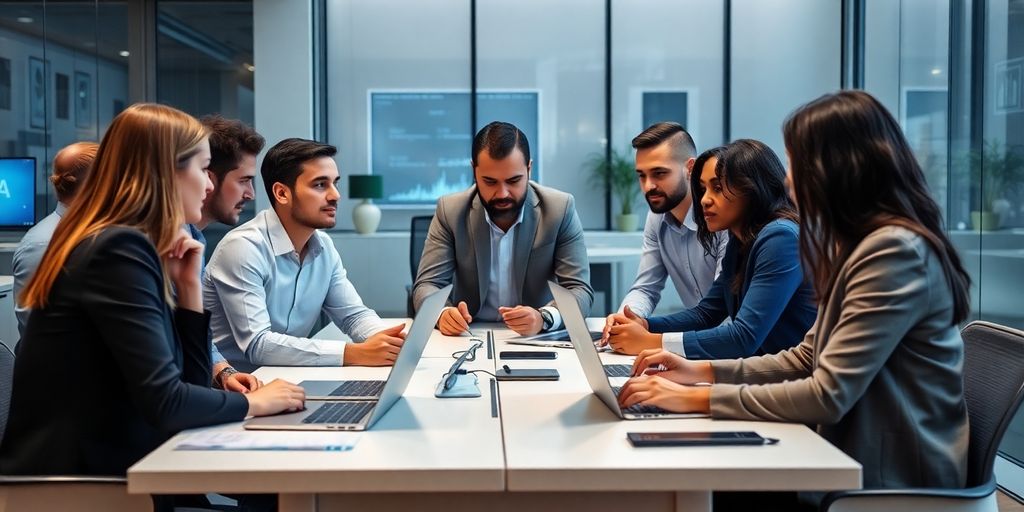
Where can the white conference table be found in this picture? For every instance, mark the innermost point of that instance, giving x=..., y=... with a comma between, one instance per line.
x=554, y=446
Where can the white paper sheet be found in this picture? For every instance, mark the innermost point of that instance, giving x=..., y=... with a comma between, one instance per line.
x=278, y=440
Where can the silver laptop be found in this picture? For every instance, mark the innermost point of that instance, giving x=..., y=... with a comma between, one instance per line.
x=351, y=414
x=591, y=362
x=342, y=389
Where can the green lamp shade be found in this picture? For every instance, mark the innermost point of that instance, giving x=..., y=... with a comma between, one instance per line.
x=365, y=186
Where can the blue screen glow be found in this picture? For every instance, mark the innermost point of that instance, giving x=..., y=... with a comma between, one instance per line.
x=17, y=192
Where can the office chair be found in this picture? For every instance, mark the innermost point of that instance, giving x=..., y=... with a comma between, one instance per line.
x=80, y=493
x=418, y=229
x=993, y=388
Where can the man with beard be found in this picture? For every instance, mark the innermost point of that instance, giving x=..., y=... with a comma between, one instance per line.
x=501, y=241
x=268, y=280
x=664, y=158
x=233, y=149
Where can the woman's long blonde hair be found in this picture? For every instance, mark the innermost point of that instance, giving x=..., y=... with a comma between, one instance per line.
x=132, y=183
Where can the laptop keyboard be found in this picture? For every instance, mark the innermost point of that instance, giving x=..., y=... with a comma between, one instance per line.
x=618, y=370
x=340, y=412
x=638, y=408
x=359, y=388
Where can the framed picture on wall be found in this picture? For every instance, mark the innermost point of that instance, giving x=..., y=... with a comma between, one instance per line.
x=5, y=84
x=36, y=93
x=83, y=100
x=62, y=85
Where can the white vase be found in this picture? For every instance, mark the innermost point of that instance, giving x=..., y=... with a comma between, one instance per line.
x=366, y=217
x=626, y=222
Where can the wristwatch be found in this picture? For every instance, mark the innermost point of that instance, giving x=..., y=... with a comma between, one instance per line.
x=223, y=374
x=546, y=320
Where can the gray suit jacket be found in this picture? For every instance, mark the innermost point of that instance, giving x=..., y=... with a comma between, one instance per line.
x=548, y=246
x=880, y=371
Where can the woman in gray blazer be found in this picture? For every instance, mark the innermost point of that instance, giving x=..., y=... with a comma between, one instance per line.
x=880, y=370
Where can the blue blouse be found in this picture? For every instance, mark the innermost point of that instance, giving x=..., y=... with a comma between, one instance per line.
x=774, y=309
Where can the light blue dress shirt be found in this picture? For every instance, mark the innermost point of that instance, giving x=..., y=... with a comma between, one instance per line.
x=197, y=234
x=671, y=249
x=27, y=257
x=264, y=302
x=502, y=291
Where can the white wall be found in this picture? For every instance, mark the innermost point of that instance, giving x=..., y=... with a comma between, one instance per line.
x=558, y=49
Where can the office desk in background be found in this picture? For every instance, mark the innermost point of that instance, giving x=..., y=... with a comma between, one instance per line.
x=554, y=447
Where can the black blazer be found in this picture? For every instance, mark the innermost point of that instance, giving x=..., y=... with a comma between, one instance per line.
x=106, y=372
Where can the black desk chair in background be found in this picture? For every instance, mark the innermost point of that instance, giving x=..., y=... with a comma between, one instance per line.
x=418, y=229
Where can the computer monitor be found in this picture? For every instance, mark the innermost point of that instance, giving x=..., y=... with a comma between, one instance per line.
x=17, y=192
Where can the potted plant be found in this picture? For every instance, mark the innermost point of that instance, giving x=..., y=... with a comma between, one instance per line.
x=619, y=175
x=998, y=170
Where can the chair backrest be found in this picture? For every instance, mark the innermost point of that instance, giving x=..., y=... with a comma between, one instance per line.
x=6, y=382
x=417, y=239
x=993, y=389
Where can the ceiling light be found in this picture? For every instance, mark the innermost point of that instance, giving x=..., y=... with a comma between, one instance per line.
x=250, y=67
x=25, y=19
x=936, y=71
x=123, y=53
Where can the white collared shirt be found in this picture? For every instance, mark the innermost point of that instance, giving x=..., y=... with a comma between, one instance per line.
x=502, y=288
x=28, y=256
x=264, y=300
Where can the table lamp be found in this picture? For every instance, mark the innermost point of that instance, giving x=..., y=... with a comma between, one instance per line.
x=366, y=215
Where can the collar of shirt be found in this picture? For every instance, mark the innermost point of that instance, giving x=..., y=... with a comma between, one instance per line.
x=495, y=230
x=61, y=209
x=687, y=223
x=279, y=240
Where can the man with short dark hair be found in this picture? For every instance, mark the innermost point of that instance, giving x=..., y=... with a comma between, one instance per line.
x=234, y=146
x=501, y=241
x=269, y=279
x=70, y=167
x=665, y=154
x=233, y=149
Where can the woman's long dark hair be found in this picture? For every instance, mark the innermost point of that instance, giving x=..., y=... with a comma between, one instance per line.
x=751, y=170
x=853, y=172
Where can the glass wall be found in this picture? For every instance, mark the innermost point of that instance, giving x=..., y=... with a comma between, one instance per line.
x=63, y=77
x=784, y=54
x=969, y=139
x=661, y=73
x=995, y=170
x=204, y=65
x=398, y=83
x=562, y=63
x=397, y=104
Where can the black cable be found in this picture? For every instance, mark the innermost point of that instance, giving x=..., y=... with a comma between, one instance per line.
x=483, y=371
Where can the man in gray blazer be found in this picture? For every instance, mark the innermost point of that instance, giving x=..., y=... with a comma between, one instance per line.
x=501, y=241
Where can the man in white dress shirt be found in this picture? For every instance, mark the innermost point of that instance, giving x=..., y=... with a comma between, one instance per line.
x=269, y=279
x=501, y=241
x=70, y=167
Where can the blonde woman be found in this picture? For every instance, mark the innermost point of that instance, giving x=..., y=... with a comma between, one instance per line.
x=112, y=362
